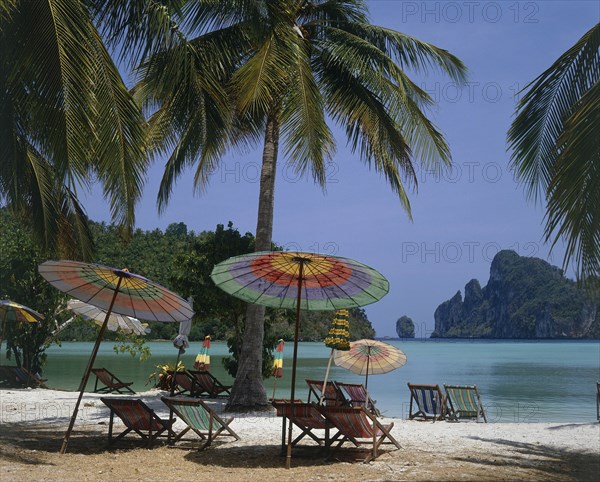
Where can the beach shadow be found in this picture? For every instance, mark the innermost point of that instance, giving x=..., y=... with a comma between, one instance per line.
x=555, y=462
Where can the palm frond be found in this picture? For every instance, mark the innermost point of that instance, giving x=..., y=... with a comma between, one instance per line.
x=541, y=113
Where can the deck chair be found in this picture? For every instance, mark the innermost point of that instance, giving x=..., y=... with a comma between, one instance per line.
x=358, y=396
x=110, y=381
x=333, y=395
x=308, y=418
x=19, y=377
x=208, y=385
x=429, y=402
x=137, y=417
x=598, y=401
x=185, y=384
x=199, y=418
x=361, y=427
x=463, y=402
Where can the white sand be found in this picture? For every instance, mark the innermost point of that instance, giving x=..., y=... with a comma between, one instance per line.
x=533, y=448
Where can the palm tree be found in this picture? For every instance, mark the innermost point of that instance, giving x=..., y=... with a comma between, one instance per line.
x=244, y=72
x=556, y=151
x=66, y=119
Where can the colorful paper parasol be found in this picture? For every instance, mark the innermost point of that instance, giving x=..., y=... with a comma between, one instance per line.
x=300, y=281
x=125, y=324
x=202, y=361
x=15, y=312
x=115, y=290
x=367, y=357
x=338, y=338
x=278, y=363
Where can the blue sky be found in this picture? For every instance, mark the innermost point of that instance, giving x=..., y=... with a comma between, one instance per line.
x=461, y=219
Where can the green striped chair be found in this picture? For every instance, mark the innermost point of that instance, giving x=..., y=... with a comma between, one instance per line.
x=199, y=418
x=359, y=426
x=428, y=401
x=463, y=401
x=137, y=417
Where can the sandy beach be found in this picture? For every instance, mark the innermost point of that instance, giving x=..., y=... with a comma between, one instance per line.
x=34, y=422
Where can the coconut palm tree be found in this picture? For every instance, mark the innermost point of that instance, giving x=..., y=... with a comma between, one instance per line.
x=272, y=73
x=556, y=151
x=66, y=119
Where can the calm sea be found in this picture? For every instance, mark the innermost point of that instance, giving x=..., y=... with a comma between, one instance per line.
x=528, y=381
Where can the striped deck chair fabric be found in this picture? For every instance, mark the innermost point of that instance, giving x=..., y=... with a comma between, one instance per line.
x=358, y=396
x=137, y=417
x=361, y=427
x=333, y=395
x=464, y=402
x=208, y=384
x=199, y=418
x=307, y=418
x=19, y=377
x=185, y=384
x=429, y=401
x=598, y=401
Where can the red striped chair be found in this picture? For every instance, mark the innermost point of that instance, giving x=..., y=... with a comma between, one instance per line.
x=358, y=396
x=208, y=385
x=199, y=418
x=185, y=383
x=137, y=417
x=307, y=418
x=333, y=395
x=110, y=381
x=361, y=427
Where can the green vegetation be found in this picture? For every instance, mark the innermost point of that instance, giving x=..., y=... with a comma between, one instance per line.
x=556, y=151
x=177, y=258
x=524, y=298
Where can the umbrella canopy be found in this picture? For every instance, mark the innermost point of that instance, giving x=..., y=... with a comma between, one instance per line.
x=117, y=290
x=338, y=336
x=300, y=281
x=15, y=312
x=202, y=361
x=373, y=357
x=125, y=324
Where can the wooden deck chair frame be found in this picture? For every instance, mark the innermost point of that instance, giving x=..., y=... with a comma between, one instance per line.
x=110, y=381
x=185, y=383
x=454, y=411
x=598, y=401
x=333, y=395
x=359, y=426
x=14, y=376
x=307, y=417
x=215, y=427
x=358, y=396
x=209, y=385
x=420, y=412
x=145, y=422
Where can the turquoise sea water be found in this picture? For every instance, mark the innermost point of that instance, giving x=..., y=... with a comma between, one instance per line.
x=528, y=381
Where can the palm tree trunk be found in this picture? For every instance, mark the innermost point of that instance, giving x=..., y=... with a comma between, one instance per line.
x=248, y=391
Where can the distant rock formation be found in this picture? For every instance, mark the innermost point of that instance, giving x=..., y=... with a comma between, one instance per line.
x=524, y=298
x=405, y=327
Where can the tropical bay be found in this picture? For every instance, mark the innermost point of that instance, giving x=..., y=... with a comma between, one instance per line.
x=519, y=381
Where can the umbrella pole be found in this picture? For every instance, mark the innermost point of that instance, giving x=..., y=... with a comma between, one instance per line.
x=368, y=360
x=86, y=374
x=326, y=377
x=288, y=458
x=274, y=385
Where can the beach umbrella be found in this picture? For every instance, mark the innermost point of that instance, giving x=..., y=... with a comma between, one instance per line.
x=16, y=313
x=299, y=281
x=202, y=361
x=370, y=357
x=125, y=324
x=338, y=338
x=113, y=290
x=278, y=363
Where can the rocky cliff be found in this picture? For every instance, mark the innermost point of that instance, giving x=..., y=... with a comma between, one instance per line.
x=405, y=327
x=524, y=298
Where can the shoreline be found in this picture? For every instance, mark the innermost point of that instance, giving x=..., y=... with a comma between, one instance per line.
x=34, y=421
